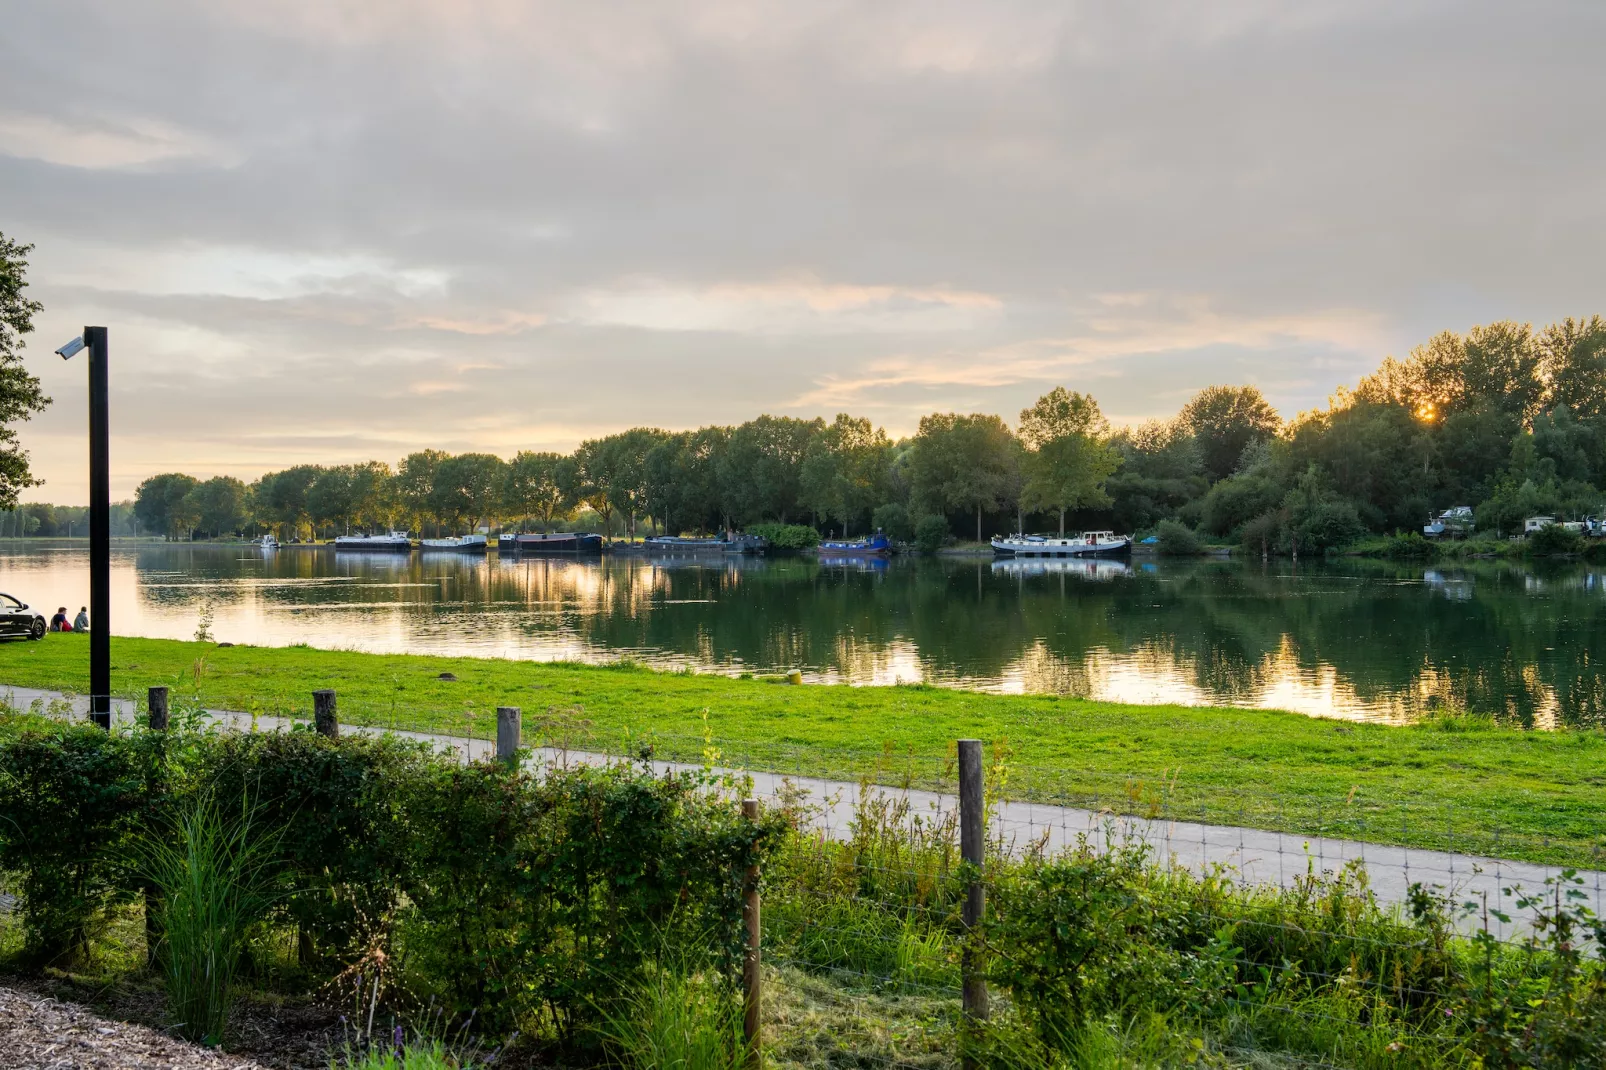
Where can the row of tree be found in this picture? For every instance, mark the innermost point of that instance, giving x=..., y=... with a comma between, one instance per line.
x=1504, y=418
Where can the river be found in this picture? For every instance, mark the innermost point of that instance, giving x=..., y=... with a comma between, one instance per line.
x=1354, y=639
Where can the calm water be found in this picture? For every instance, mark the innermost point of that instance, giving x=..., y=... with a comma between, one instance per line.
x=1355, y=640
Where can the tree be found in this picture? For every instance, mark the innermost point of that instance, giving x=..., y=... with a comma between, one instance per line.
x=535, y=487
x=220, y=505
x=761, y=477
x=162, y=504
x=468, y=487
x=1066, y=463
x=595, y=475
x=415, y=485
x=844, y=470
x=329, y=498
x=1224, y=420
x=281, y=497
x=20, y=394
x=960, y=462
x=1161, y=470
x=1573, y=358
x=628, y=490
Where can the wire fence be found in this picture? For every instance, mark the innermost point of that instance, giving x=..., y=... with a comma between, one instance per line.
x=1316, y=920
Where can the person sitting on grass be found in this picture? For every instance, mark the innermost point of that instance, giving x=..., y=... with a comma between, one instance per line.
x=58, y=623
x=80, y=623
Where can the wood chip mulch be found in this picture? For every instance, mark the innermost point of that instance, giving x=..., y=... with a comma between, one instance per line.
x=40, y=1033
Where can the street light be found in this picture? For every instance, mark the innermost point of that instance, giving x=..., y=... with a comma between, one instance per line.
x=100, y=550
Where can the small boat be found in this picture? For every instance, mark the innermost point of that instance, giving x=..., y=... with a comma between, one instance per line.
x=1087, y=544
x=462, y=544
x=268, y=542
x=877, y=544
x=579, y=543
x=392, y=542
x=1452, y=523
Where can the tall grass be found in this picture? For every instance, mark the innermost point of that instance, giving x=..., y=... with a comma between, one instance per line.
x=677, y=1020
x=213, y=870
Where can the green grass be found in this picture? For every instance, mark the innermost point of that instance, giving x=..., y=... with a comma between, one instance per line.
x=1454, y=782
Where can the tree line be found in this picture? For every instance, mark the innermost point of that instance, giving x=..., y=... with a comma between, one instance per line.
x=1504, y=418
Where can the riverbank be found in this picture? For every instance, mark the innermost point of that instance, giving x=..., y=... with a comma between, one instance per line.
x=1454, y=783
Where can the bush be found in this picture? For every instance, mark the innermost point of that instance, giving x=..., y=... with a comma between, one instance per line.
x=71, y=800
x=1178, y=540
x=931, y=534
x=786, y=536
x=1553, y=540
x=499, y=892
x=893, y=519
x=1410, y=546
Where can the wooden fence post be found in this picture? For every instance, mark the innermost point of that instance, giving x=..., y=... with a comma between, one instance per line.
x=156, y=701
x=323, y=714
x=973, y=849
x=752, y=978
x=507, y=734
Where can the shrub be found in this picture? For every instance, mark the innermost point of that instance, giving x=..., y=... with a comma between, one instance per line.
x=71, y=799
x=1178, y=540
x=1553, y=540
x=931, y=534
x=893, y=519
x=786, y=536
x=1410, y=546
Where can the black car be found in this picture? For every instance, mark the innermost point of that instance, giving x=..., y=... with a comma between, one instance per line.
x=17, y=619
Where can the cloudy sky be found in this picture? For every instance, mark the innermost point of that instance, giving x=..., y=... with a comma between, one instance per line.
x=345, y=229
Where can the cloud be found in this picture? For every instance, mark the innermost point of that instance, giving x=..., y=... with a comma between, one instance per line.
x=358, y=228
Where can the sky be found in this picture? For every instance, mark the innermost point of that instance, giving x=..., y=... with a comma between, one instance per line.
x=331, y=231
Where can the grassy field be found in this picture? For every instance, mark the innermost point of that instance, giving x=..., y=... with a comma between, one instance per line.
x=1455, y=782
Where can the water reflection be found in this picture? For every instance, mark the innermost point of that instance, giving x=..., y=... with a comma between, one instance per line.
x=1357, y=639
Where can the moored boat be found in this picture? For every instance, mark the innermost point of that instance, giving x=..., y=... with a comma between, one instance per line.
x=393, y=542
x=268, y=542
x=720, y=544
x=876, y=544
x=560, y=542
x=1087, y=544
x=462, y=544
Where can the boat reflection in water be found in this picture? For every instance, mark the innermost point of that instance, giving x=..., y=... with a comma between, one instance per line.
x=853, y=562
x=1087, y=568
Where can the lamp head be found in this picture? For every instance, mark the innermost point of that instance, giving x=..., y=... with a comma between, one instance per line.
x=71, y=347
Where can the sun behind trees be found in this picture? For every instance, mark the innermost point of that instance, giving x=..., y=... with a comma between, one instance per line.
x=1503, y=418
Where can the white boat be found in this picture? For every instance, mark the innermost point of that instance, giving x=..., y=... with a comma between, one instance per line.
x=393, y=541
x=1453, y=523
x=1087, y=544
x=268, y=542
x=462, y=544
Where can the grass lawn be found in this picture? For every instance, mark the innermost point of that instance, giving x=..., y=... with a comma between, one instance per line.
x=1452, y=783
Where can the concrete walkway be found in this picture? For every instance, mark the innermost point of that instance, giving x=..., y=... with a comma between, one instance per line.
x=1258, y=856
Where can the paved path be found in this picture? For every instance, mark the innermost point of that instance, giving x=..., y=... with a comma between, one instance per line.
x=1259, y=856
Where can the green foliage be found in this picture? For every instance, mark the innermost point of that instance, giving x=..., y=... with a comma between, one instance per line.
x=1225, y=421
x=71, y=800
x=672, y=1017
x=786, y=536
x=1553, y=540
x=1238, y=499
x=1410, y=546
x=505, y=893
x=164, y=504
x=1178, y=540
x=931, y=533
x=213, y=868
x=20, y=394
x=961, y=462
x=894, y=519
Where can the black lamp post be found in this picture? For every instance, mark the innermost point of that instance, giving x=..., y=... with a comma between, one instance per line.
x=100, y=530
